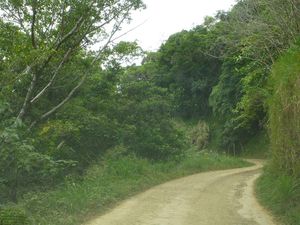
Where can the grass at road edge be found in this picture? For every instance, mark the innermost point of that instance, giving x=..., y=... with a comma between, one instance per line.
x=281, y=195
x=108, y=183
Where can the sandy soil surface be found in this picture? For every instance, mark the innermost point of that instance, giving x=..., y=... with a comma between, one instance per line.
x=211, y=198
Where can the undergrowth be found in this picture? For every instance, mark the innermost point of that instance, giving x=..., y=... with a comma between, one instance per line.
x=258, y=147
x=281, y=194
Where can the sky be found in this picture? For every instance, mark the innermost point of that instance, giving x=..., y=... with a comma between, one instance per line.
x=163, y=18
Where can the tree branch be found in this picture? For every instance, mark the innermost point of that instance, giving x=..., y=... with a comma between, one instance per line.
x=65, y=58
x=34, y=12
x=78, y=24
x=54, y=109
x=110, y=39
x=71, y=93
x=70, y=33
x=27, y=98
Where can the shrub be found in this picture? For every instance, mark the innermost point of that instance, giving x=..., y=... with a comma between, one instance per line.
x=22, y=166
x=199, y=135
x=13, y=216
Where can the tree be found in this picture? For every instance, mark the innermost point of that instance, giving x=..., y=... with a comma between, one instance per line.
x=144, y=114
x=187, y=71
x=251, y=38
x=55, y=34
x=44, y=61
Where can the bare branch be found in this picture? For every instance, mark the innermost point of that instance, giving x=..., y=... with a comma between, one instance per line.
x=65, y=58
x=54, y=109
x=34, y=12
x=130, y=30
x=110, y=39
x=71, y=32
x=104, y=47
x=27, y=98
x=79, y=23
x=71, y=93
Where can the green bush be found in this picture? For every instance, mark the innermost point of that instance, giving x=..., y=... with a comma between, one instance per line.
x=13, y=216
x=22, y=167
x=147, y=128
x=199, y=135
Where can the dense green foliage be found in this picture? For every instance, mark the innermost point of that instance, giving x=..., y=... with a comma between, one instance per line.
x=220, y=70
x=187, y=72
x=63, y=106
x=240, y=96
x=258, y=147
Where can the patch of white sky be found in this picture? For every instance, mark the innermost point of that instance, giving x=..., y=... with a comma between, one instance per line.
x=163, y=18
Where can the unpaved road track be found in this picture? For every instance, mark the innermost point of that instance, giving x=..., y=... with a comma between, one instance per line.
x=211, y=198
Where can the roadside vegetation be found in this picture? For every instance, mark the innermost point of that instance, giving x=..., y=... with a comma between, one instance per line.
x=77, y=123
x=279, y=187
x=111, y=181
x=118, y=175
x=280, y=193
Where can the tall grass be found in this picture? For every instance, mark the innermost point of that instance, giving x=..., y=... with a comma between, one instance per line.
x=106, y=183
x=281, y=194
x=284, y=110
x=199, y=135
x=197, y=132
x=279, y=187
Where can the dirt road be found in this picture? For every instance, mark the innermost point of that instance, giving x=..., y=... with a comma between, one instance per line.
x=211, y=198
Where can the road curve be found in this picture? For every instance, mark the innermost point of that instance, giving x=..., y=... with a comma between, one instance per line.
x=210, y=198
